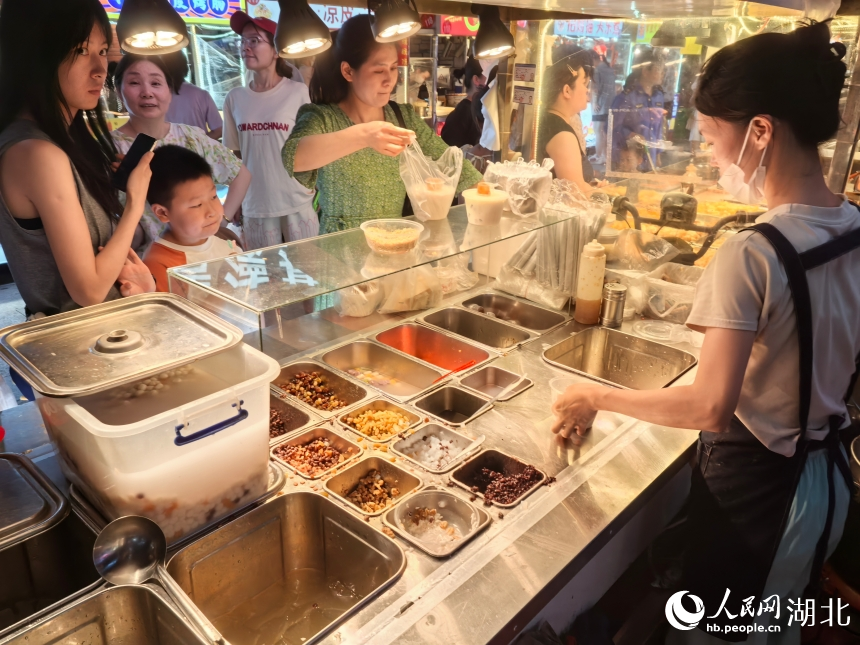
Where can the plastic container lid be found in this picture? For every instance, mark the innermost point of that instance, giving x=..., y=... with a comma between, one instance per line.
x=593, y=249
x=97, y=348
x=661, y=331
x=30, y=503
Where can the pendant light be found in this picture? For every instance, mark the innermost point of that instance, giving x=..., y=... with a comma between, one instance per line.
x=301, y=32
x=150, y=27
x=394, y=20
x=494, y=39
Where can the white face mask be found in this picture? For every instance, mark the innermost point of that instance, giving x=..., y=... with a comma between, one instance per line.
x=732, y=181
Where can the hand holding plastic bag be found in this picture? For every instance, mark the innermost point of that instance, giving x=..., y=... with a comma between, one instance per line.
x=430, y=184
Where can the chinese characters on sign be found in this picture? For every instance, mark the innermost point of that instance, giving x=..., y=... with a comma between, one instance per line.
x=333, y=16
x=192, y=10
x=592, y=28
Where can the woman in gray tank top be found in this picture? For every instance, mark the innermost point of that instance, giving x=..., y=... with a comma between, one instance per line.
x=59, y=225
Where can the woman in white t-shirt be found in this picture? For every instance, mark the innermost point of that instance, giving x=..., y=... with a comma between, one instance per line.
x=257, y=121
x=769, y=495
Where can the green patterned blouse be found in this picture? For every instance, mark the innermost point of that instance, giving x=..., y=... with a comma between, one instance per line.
x=366, y=184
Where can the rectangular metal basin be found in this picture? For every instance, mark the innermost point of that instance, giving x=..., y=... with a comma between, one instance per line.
x=432, y=346
x=127, y=615
x=490, y=381
x=347, y=391
x=345, y=446
x=409, y=447
x=468, y=519
x=452, y=405
x=477, y=327
x=342, y=484
x=469, y=475
x=287, y=572
x=515, y=312
x=620, y=359
x=380, y=404
x=294, y=418
x=45, y=571
x=408, y=378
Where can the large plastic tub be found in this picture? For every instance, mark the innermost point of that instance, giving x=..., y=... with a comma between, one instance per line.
x=183, y=457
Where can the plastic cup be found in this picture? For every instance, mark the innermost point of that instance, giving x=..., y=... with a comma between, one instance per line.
x=560, y=384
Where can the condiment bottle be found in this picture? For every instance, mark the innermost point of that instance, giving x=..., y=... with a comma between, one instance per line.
x=589, y=285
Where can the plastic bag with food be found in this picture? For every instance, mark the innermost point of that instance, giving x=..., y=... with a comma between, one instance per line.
x=527, y=184
x=640, y=251
x=430, y=184
x=669, y=292
x=360, y=300
x=411, y=290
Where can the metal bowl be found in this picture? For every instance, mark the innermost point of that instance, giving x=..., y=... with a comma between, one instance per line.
x=452, y=405
x=490, y=381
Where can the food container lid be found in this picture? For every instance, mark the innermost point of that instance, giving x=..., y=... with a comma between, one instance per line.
x=100, y=347
x=30, y=503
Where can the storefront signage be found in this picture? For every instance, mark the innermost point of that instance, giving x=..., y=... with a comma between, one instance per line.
x=193, y=11
x=525, y=72
x=646, y=30
x=524, y=95
x=428, y=20
x=590, y=28
x=459, y=25
x=333, y=16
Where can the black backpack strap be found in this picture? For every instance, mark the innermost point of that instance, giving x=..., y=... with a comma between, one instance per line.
x=398, y=113
x=835, y=248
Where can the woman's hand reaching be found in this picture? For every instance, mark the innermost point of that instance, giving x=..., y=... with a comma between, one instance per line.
x=575, y=412
x=385, y=138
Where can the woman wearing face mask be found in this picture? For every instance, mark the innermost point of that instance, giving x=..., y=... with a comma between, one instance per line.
x=567, y=95
x=64, y=232
x=257, y=121
x=769, y=497
x=347, y=142
x=144, y=83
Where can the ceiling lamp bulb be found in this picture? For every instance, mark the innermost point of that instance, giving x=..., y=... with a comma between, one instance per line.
x=301, y=32
x=150, y=27
x=494, y=39
x=394, y=20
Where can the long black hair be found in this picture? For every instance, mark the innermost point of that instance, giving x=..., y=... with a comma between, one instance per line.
x=177, y=69
x=36, y=37
x=353, y=44
x=570, y=62
x=796, y=78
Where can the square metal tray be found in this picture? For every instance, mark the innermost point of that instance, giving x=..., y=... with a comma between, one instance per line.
x=319, y=432
x=452, y=405
x=433, y=346
x=348, y=390
x=499, y=461
x=467, y=446
x=478, y=328
x=296, y=418
x=379, y=404
x=342, y=484
x=515, y=312
x=489, y=381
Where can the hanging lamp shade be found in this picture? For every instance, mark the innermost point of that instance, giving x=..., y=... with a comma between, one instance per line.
x=394, y=20
x=494, y=39
x=150, y=27
x=301, y=32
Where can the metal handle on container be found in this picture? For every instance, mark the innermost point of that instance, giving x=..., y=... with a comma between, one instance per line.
x=241, y=415
x=178, y=595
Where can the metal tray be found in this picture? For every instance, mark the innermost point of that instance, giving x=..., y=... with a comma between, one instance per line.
x=30, y=503
x=465, y=475
x=478, y=328
x=489, y=381
x=347, y=390
x=296, y=418
x=124, y=615
x=619, y=359
x=464, y=444
x=412, y=377
x=342, y=484
x=469, y=519
x=287, y=572
x=432, y=346
x=320, y=432
x=380, y=404
x=452, y=405
x=515, y=312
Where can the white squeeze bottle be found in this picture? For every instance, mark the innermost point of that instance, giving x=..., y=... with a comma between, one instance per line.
x=589, y=285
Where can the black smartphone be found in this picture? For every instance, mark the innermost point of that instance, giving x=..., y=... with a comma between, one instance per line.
x=143, y=143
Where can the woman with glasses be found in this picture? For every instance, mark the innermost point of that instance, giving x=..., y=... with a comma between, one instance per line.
x=257, y=121
x=561, y=137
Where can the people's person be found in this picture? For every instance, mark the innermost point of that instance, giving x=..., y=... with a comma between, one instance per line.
x=66, y=237
x=602, y=95
x=346, y=142
x=566, y=95
x=144, y=83
x=638, y=110
x=460, y=127
x=183, y=196
x=257, y=121
x=190, y=104
x=770, y=491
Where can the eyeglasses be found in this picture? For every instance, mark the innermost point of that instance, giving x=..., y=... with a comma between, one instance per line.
x=254, y=42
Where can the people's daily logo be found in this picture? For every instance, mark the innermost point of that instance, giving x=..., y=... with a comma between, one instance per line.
x=677, y=614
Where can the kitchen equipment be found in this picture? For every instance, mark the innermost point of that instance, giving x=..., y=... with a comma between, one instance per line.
x=381, y=405
x=30, y=503
x=287, y=572
x=431, y=346
x=589, y=283
x=292, y=417
x=514, y=312
x=477, y=328
x=130, y=551
x=452, y=405
x=491, y=380
x=345, y=482
x=350, y=449
x=424, y=447
x=619, y=359
x=467, y=519
x=462, y=367
x=346, y=391
x=612, y=306
x=505, y=392
x=470, y=477
x=126, y=615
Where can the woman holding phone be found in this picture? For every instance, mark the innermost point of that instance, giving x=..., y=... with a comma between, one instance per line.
x=66, y=236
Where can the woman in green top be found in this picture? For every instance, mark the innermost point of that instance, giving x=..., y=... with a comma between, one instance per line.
x=346, y=143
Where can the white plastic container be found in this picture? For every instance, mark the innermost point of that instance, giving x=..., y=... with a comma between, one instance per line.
x=154, y=466
x=589, y=285
x=391, y=236
x=484, y=208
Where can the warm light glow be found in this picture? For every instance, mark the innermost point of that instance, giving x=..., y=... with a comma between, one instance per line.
x=149, y=39
x=402, y=28
x=496, y=53
x=142, y=41
x=305, y=45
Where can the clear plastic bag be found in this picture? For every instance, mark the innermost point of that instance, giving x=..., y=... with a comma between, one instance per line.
x=669, y=292
x=430, y=184
x=454, y=274
x=527, y=184
x=411, y=290
x=360, y=300
x=640, y=251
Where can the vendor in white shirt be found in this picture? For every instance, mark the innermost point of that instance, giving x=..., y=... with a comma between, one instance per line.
x=770, y=492
x=257, y=121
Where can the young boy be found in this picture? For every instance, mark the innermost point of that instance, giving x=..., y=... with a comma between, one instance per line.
x=182, y=194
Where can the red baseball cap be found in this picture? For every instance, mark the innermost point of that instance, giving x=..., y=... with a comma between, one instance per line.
x=239, y=19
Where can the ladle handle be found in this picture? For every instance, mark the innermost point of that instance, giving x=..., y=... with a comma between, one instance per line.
x=178, y=595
